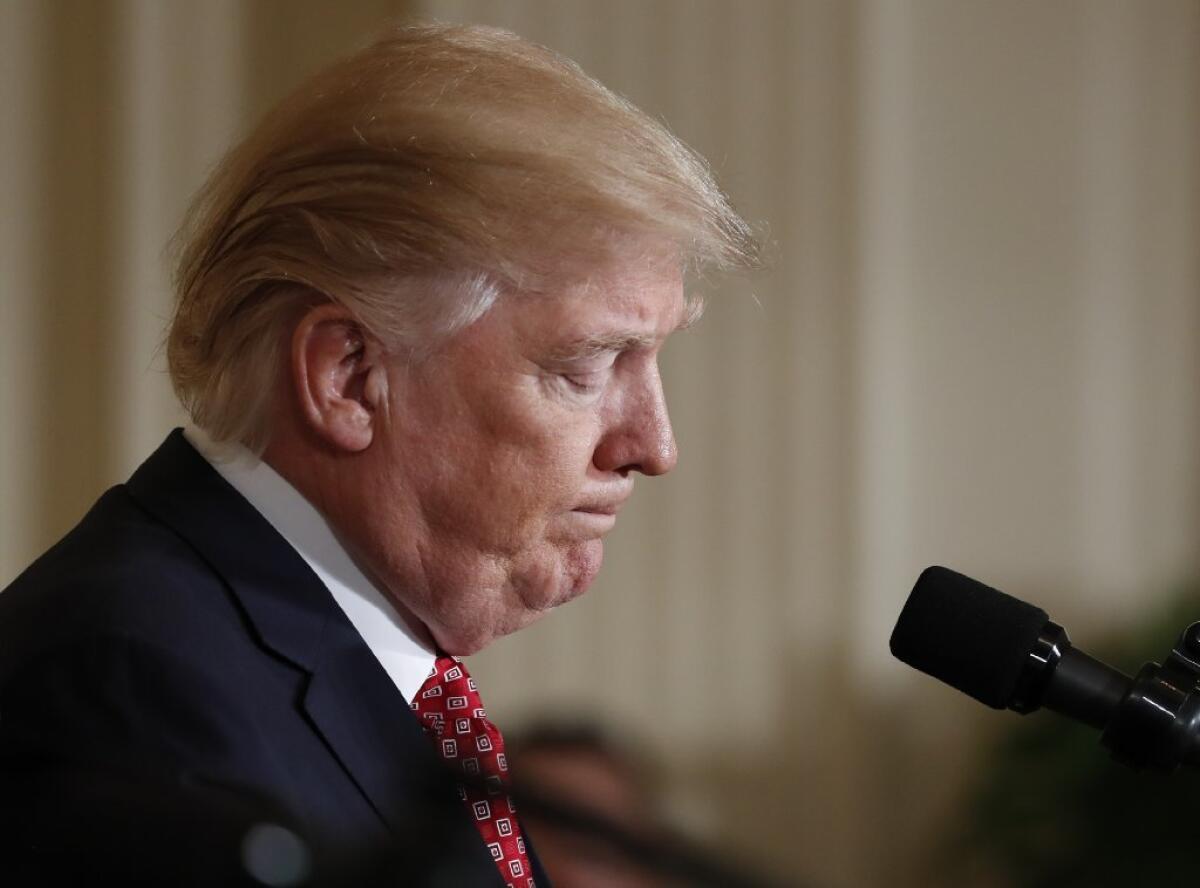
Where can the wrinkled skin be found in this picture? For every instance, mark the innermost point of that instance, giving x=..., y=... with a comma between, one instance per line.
x=476, y=486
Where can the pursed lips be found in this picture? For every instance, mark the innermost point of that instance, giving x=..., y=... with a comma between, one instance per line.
x=608, y=506
x=600, y=513
x=599, y=510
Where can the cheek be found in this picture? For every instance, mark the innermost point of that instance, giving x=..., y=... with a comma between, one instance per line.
x=507, y=458
x=526, y=461
x=502, y=493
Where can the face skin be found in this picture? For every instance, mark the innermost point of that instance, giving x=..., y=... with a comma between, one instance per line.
x=476, y=486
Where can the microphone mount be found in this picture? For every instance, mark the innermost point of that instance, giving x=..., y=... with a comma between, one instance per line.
x=1157, y=723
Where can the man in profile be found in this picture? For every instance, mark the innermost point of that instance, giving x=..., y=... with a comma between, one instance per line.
x=417, y=324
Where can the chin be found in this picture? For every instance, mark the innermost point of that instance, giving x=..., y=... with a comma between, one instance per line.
x=552, y=579
x=580, y=570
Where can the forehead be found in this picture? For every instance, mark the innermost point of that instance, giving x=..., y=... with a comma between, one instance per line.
x=612, y=309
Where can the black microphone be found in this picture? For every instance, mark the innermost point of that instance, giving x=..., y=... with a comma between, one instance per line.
x=1008, y=654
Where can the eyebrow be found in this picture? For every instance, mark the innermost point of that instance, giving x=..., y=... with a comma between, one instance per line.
x=602, y=343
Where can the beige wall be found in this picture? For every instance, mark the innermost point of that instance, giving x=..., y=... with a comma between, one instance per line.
x=113, y=110
x=978, y=345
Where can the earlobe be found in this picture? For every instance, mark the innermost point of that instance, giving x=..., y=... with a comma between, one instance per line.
x=338, y=377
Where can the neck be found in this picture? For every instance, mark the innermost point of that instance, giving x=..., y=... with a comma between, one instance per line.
x=327, y=483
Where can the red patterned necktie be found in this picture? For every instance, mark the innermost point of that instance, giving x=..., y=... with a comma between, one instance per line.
x=450, y=711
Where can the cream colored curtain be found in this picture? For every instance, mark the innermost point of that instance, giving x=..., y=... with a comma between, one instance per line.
x=113, y=111
x=979, y=345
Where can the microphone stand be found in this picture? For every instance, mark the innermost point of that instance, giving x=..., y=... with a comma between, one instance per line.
x=1157, y=723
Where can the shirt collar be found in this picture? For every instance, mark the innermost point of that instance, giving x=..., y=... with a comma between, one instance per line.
x=406, y=655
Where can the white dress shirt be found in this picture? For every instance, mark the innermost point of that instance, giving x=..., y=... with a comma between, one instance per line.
x=407, y=655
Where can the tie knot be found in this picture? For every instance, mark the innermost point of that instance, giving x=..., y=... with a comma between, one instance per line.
x=449, y=709
x=448, y=692
x=450, y=671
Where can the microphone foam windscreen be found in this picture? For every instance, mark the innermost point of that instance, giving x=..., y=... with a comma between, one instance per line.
x=971, y=636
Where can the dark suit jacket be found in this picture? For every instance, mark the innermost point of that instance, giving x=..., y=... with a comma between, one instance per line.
x=173, y=660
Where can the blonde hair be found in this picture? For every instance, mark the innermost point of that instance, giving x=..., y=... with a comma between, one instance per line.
x=414, y=182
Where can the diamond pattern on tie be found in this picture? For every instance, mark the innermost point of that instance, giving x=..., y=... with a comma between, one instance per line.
x=449, y=709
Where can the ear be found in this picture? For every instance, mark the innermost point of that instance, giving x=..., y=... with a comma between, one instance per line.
x=339, y=378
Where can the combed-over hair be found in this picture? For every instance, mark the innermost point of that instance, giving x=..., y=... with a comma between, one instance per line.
x=414, y=182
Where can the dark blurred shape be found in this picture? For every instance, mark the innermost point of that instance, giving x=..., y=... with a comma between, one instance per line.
x=581, y=764
x=64, y=828
x=275, y=855
x=76, y=825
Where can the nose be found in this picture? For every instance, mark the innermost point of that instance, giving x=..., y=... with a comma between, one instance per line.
x=640, y=437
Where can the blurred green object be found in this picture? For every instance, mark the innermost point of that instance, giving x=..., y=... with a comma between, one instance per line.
x=1054, y=809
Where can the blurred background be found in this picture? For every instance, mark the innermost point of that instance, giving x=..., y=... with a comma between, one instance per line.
x=978, y=344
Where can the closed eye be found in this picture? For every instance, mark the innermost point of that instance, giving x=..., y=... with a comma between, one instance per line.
x=587, y=382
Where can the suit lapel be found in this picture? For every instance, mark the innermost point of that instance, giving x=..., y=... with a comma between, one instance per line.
x=349, y=699
x=366, y=722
